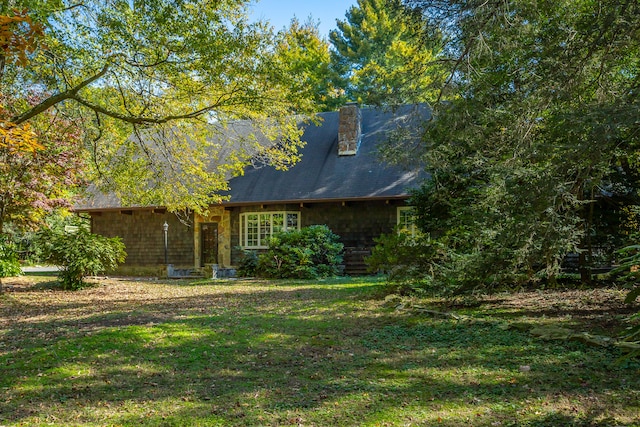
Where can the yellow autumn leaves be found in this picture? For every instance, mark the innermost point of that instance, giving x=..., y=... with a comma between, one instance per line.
x=18, y=138
x=18, y=38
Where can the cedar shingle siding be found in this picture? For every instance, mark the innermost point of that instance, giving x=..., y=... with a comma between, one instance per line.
x=357, y=223
x=143, y=236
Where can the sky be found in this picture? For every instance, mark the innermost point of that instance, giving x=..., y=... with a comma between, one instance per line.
x=280, y=12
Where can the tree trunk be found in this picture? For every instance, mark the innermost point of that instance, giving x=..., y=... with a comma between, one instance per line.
x=584, y=267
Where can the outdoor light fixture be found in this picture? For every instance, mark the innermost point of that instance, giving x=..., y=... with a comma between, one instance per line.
x=165, y=227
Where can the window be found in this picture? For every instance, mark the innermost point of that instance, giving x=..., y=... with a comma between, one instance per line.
x=256, y=228
x=407, y=219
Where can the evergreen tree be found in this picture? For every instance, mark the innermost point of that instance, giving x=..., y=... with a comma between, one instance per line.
x=386, y=55
x=542, y=127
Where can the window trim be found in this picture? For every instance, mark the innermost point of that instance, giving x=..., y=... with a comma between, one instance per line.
x=259, y=243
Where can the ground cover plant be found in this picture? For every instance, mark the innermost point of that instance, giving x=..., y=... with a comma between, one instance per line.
x=306, y=353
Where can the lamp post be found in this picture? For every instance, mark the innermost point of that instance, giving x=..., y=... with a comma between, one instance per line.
x=165, y=227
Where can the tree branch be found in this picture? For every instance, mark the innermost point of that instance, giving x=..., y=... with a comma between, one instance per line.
x=138, y=120
x=56, y=99
x=141, y=120
x=71, y=7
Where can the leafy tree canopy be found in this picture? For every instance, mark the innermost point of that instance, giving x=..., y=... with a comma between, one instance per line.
x=172, y=73
x=40, y=160
x=306, y=56
x=543, y=124
x=40, y=171
x=18, y=38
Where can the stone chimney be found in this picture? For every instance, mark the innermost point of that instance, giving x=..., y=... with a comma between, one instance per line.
x=349, y=130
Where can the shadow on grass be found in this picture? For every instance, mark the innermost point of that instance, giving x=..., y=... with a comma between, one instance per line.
x=45, y=283
x=47, y=273
x=292, y=354
x=30, y=282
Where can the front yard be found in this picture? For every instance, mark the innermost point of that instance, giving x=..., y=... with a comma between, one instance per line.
x=249, y=353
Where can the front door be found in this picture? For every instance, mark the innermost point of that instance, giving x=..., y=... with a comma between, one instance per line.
x=209, y=233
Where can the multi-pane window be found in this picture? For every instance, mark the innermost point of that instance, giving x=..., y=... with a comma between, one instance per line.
x=256, y=228
x=407, y=219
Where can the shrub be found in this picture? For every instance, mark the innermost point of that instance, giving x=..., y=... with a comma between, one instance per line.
x=422, y=263
x=9, y=264
x=248, y=264
x=629, y=273
x=627, y=270
x=81, y=253
x=407, y=260
x=309, y=253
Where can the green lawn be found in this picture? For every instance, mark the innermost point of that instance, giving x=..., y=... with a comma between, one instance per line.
x=332, y=353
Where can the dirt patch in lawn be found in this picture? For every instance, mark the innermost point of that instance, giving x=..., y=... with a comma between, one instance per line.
x=596, y=310
x=102, y=303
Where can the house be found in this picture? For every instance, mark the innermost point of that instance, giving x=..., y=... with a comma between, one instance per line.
x=339, y=182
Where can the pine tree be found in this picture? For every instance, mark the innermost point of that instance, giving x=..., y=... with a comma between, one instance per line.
x=386, y=55
x=541, y=130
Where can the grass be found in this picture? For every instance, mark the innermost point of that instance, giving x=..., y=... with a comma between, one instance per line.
x=252, y=353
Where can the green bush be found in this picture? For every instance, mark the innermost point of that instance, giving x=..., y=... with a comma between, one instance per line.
x=628, y=273
x=248, y=264
x=409, y=261
x=9, y=264
x=81, y=253
x=422, y=263
x=309, y=253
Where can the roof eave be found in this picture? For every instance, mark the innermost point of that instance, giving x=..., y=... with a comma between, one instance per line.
x=253, y=203
x=329, y=200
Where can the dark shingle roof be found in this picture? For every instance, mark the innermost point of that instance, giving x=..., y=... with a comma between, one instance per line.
x=323, y=175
